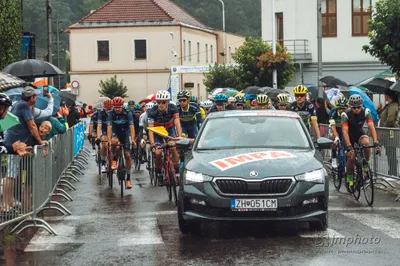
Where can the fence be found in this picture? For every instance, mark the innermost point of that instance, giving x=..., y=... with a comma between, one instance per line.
x=28, y=184
x=384, y=165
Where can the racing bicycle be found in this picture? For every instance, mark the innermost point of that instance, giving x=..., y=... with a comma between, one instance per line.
x=340, y=172
x=363, y=176
x=168, y=171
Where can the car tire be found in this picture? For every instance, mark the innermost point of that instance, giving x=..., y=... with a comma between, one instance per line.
x=187, y=227
x=321, y=225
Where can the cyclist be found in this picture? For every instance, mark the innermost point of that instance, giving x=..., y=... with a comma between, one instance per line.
x=131, y=105
x=202, y=111
x=164, y=114
x=207, y=106
x=353, y=120
x=220, y=101
x=143, y=123
x=283, y=101
x=305, y=109
x=189, y=114
x=102, y=124
x=240, y=103
x=120, y=127
x=335, y=123
x=231, y=103
x=263, y=103
x=93, y=124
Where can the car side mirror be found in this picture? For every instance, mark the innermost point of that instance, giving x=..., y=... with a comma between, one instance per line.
x=183, y=144
x=324, y=143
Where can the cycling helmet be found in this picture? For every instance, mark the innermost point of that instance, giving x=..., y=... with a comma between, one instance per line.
x=183, y=94
x=355, y=100
x=99, y=106
x=163, y=95
x=137, y=107
x=131, y=102
x=108, y=104
x=193, y=99
x=282, y=98
x=221, y=98
x=342, y=103
x=300, y=90
x=262, y=99
x=5, y=100
x=240, y=99
x=208, y=104
x=201, y=104
x=117, y=101
x=149, y=105
x=231, y=99
x=211, y=97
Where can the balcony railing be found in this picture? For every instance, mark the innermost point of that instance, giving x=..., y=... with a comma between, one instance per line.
x=297, y=48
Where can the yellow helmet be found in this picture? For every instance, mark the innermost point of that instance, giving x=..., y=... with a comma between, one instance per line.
x=262, y=99
x=282, y=98
x=300, y=90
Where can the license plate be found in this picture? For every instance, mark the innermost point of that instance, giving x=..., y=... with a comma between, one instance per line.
x=254, y=204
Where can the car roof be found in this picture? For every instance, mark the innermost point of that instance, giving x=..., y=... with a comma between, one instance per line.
x=238, y=113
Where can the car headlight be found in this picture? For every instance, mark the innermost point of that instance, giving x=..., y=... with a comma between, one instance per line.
x=317, y=176
x=193, y=177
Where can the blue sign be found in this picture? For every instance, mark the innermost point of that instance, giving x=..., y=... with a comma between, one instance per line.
x=79, y=138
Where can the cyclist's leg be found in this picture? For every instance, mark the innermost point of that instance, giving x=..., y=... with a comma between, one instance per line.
x=174, y=152
x=350, y=162
x=192, y=132
x=115, y=151
x=103, y=150
x=364, y=140
x=157, y=161
x=93, y=138
x=128, y=161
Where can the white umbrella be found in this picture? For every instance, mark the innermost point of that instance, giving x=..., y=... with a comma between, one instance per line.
x=8, y=81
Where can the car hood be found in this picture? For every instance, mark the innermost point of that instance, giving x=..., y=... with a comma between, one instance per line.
x=253, y=163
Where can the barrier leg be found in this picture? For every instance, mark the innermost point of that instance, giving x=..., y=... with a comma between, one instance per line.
x=79, y=164
x=75, y=169
x=71, y=176
x=59, y=207
x=34, y=224
x=66, y=184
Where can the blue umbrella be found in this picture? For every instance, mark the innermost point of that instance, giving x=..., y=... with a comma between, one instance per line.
x=367, y=103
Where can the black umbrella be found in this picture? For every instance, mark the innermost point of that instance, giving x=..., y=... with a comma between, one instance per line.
x=313, y=91
x=29, y=69
x=333, y=82
x=396, y=87
x=376, y=85
x=254, y=90
x=271, y=92
x=68, y=98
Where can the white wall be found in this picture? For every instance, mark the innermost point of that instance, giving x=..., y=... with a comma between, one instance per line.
x=300, y=22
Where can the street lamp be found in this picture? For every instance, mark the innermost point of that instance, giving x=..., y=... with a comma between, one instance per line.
x=274, y=71
x=223, y=28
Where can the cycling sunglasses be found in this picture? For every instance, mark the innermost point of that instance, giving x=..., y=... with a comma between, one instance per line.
x=299, y=95
x=356, y=107
x=219, y=103
x=182, y=100
x=161, y=102
x=239, y=105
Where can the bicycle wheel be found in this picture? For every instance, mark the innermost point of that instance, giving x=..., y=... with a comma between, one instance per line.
x=167, y=184
x=139, y=157
x=151, y=168
x=337, y=178
x=109, y=170
x=356, y=186
x=172, y=180
x=99, y=162
x=121, y=174
x=368, y=184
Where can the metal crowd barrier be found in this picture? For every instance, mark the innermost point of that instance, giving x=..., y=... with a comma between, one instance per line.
x=28, y=184
x=384, y=165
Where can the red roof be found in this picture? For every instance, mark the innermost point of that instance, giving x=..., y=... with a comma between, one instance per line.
x=116, y=11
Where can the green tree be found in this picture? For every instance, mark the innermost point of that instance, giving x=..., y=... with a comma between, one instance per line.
x=221, y=76
x=384, y=35
x=254, y=67
x=112, y=88
x=10, y=32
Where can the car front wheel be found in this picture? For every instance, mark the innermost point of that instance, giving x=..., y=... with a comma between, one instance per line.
x=321, y=225
x=187, y=227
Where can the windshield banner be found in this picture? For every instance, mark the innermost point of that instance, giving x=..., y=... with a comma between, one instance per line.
x=230, y=162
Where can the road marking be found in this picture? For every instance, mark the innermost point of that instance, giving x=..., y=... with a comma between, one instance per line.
x=147, y=233
x=329, y=233
x=107, y=216
x=377, y=222
x=345, y=209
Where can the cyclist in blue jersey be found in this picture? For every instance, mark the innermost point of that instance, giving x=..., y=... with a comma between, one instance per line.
x=240, y=103
x=93, y=124
x=189, y=115
x=131, y=105
x=120, y=127
x=335, y=123
x=102, y=125
x=164, y=114
x=220, y=101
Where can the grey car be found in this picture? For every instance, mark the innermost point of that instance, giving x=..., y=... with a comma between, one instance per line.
x=253, y=166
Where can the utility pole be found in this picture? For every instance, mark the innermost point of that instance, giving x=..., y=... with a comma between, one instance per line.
x=223, y=29
x=274, y=71
x=49, y=31
x=58, y=51
x=319, y=37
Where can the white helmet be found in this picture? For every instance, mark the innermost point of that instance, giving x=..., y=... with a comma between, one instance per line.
x=149, y=105
x=231, y=99
x=99, y=106
x=201, y=104
x=208, y=104
x=163, y=95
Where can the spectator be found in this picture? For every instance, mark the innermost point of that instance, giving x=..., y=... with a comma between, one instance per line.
x=57, y=126
x=90, y=112
x=83, y=111
x=322, y=111
x=73, y=117
x=46, y=113
x=44, y=129
x=64, y=112
x=389, y=119
x=24, y=111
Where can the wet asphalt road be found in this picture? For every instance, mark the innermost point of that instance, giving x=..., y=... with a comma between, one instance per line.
x=141, y=229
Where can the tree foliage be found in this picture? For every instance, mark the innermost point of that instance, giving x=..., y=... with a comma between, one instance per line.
x=10, y=32
x=112, y=88
x=254, y=65
x=384, y=35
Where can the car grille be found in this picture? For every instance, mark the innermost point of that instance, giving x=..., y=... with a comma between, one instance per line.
x=264, y=187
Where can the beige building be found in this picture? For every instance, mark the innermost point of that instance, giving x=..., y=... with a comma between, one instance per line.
x=139, y=41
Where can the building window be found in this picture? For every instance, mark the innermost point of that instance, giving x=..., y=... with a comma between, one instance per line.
x=360, y=16
x=190, y=50
x=329, y=24
x=198, y=52
x=184, y=50
x=206, y=53
x=140, y=48
x=103, y=51
x=212, y=54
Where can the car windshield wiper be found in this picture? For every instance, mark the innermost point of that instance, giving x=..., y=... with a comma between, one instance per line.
x=215, y=149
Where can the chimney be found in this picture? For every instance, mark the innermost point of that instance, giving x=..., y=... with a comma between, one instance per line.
x=91, y=11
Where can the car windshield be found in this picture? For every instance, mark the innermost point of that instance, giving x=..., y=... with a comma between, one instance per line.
x=253, y=132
